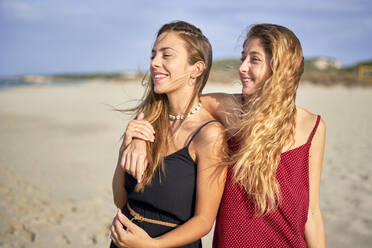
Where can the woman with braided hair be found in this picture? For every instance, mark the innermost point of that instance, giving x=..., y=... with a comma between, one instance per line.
x=271, y=196
x=176, y=201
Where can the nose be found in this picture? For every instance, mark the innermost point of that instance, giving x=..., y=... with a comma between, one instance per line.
x=155, y=61
x=244, y=67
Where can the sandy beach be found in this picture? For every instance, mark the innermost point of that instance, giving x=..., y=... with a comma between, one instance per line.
x=59, y=146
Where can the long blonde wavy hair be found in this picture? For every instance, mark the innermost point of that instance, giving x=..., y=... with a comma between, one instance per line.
x=156, y=107
x=268, y=117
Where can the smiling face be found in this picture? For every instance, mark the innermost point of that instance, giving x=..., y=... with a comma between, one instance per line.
x=170, y=69
x=255, y=67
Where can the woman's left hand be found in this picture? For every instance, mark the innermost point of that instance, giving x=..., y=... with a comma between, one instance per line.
x=132, y=237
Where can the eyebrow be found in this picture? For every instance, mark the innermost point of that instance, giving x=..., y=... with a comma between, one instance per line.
x=256, y=53
x=163, y=49
x=253, y=53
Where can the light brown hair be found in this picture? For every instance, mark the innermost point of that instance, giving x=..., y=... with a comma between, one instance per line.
x=268, y=117
x=156, y=107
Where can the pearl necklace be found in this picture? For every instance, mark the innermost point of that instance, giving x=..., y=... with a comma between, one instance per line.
x=181, y=117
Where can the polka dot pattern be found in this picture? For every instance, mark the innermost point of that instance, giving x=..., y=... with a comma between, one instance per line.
x=236, y=225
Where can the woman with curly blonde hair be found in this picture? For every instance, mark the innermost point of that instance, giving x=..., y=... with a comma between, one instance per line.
x=271, y=196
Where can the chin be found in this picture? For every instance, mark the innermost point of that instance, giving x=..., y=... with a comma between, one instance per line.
x=158, y=90
x=248, y=91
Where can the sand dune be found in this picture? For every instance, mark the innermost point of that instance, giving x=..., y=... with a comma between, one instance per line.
x=59, y=146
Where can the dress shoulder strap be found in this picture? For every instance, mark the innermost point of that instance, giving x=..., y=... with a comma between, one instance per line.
x=198, y=130
x=314, y=129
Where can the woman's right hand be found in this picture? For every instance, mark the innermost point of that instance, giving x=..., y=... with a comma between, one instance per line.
x=139, y=128
x=134, y=157
x=131, y=236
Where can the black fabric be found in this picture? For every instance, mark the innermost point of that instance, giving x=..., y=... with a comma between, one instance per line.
x=171, y=195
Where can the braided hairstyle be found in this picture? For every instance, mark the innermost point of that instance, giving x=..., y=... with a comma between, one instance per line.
x=156, y=107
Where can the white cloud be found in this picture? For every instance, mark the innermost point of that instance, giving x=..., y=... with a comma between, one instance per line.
x=20, y=10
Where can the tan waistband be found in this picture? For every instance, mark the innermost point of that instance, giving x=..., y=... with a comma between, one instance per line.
x=140, y=218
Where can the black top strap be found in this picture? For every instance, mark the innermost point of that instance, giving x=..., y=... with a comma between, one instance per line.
x=197, y=131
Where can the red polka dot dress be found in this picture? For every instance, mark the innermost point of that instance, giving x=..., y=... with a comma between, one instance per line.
x=236, y=225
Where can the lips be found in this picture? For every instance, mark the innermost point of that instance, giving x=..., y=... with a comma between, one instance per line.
x=246, y=81
x=157, y=76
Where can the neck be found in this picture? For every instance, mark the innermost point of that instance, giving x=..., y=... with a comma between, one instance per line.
x=179, y=101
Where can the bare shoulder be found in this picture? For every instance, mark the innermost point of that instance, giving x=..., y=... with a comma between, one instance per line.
x=210, y=132
x=306, y=122
x=211, y=136
x=210, y=142
x=306, y=119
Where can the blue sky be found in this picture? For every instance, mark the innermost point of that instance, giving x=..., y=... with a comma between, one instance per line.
x=57, y=36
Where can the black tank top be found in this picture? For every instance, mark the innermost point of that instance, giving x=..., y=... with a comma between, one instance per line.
x=171, y=195
x=172, y=191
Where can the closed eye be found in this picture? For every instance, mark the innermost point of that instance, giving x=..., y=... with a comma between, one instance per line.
x=255, y=60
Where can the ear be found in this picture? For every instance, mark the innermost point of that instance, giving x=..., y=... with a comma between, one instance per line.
x=198, y=69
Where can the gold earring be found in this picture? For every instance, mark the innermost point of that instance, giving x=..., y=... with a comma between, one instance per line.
x=192, y=80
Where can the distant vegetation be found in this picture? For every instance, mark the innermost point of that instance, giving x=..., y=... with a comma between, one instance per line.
x=104, y=76
x=225, y=64
x=320, y=70
x=347, y=76
x=355, y=67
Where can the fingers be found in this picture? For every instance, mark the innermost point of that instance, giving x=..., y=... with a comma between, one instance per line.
x=148, y=125
x=114, y=235
x=140, y=167
x=141, y=132
x=140, y=116
x=117, y=226
x=117, y=232
x=122, y=161
x=127, y=160
x=141, y=123
x=133, y=164
x=139, y=128
x=134, y=159
x=126, y=222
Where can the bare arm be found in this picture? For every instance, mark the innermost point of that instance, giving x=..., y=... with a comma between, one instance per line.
x=118, y=181
x=210, y=184
x=314, y=228
x=219, y=105
x=137, y=128
x=133, y=159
